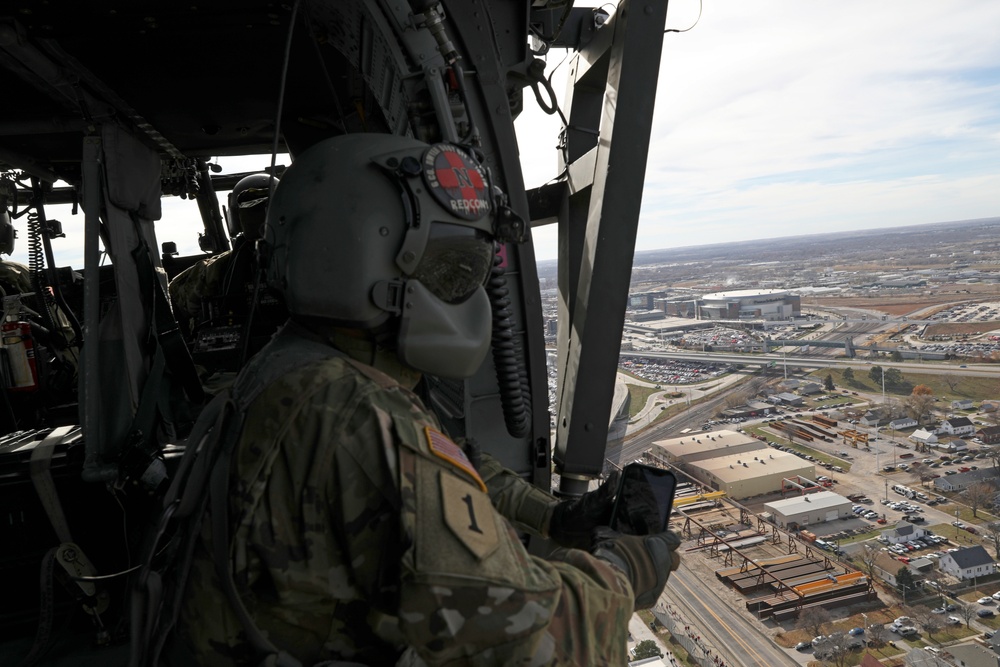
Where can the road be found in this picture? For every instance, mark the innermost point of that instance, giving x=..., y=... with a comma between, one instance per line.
x=738, y=639
x=977, y=370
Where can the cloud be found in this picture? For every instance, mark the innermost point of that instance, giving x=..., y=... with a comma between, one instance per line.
x=777, y=118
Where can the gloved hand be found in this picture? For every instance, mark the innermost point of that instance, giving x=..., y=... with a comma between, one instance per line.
x=647, y=560
x=573, y=521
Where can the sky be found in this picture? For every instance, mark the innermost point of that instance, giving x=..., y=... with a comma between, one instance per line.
x=780, y=118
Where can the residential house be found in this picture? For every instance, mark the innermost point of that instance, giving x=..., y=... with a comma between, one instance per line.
x=789, y=385
x=903, y=422
x=874, y=418
x=994, y=642
x=904, y=531
x=788, y=399
x=966, y=479
x=973, y=655
x=810, y=388
x=968, y=562
x=952, y=446
x=924, y=437
x=962, y=404
x=886, y=568
x=990, y=435
x=957, y=426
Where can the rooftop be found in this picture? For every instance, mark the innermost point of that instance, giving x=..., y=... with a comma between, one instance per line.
x=744, y=294
x=971, y=556
x=731, y=468
x=703, y=441
x=810, y=501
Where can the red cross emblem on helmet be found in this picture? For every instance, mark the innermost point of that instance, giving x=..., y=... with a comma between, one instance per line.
x=456, y=181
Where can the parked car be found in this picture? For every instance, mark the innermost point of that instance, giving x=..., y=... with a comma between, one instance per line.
x=985, y=600
x=985, y=613
x=803, y=646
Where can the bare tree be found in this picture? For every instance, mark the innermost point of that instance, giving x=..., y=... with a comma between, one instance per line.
x=978, y=495
x=952, y=381
x=994, y=454
x=967, y=613
x=991, y=531
x=876, y=633
x=814, y=620
x=835, y=650
x=867, y=558
x=931, y=623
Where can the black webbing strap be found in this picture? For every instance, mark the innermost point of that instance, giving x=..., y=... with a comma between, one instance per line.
x=46, y=610
x=156, y=605
x=171, y=353
x=219, y=493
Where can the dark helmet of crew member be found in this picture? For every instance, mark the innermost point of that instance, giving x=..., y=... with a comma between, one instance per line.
x=388, y=234
x=7, y=233
x=248, y=206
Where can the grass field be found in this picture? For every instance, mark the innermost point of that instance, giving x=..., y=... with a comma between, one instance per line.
x=965, y=387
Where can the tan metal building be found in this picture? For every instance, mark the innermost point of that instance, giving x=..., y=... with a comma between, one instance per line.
x=749, y=474
x=706, y=445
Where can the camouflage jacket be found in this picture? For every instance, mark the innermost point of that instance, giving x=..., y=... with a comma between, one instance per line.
x=15, y=278
x=189, y=288
x=360, y=532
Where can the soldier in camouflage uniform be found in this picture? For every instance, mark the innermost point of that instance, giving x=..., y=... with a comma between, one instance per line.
x=231, y=273
x=15, y=278
x=361, y=534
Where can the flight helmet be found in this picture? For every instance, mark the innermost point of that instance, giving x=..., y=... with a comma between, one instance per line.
x=7, y=233
x=388, y=234
x=248, y=206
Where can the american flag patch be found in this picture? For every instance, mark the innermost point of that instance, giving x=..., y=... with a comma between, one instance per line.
x=442, y=447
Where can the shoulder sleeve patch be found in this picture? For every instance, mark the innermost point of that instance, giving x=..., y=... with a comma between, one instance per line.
x=442, y=447
x=468, y=515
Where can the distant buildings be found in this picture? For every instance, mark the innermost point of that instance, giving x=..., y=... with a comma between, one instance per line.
x=770, y=305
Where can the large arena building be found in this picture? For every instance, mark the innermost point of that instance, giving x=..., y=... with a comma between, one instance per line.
x=770, y=305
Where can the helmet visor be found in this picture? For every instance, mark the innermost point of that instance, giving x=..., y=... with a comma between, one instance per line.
x=455, y=262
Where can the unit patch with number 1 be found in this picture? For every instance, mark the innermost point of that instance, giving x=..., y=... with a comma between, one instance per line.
x=468, y=513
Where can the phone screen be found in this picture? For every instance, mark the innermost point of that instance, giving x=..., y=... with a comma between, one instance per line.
x=645, y=496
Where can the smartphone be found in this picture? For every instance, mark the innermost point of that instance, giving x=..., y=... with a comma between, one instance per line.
x=642, y=504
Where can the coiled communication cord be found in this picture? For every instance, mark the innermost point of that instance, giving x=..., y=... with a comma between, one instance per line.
x=512, y=377
x=36, y=266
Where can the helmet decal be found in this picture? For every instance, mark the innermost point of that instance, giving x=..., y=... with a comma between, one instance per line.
x=456, y=181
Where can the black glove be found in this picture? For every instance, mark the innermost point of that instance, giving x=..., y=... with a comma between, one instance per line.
x=574, y=520
x=647, y=560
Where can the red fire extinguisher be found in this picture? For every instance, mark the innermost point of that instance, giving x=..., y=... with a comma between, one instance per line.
x=20, y=350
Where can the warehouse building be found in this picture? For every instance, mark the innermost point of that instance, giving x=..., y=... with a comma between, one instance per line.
x=809, y=509
x=751, y=473
x=770, y=305
x=706, y=445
